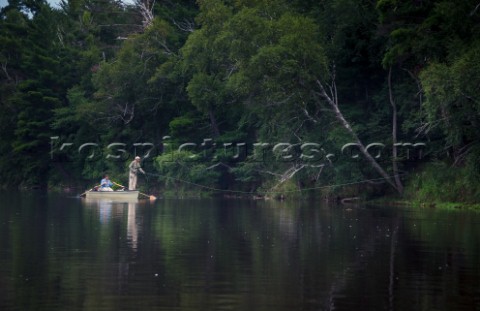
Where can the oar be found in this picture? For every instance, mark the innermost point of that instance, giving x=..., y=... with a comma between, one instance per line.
x=119, y=185
x=88, y=191
x=151, y=197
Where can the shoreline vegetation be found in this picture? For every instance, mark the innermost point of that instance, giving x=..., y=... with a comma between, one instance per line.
x=424, y=190
x=335, y=200
x=341, y=100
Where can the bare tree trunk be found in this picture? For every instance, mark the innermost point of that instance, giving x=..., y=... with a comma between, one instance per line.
x=333, y=102
x=288, y=174
x=146, y=10
x=396, y=176
x=213, y=123
x=475, y=10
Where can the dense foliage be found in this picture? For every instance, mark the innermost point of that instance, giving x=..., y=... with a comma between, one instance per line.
x=269, y=96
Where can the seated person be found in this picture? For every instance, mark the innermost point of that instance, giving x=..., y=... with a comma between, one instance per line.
x=106, y=184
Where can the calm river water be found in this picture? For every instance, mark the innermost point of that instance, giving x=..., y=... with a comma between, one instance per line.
x=65, y=253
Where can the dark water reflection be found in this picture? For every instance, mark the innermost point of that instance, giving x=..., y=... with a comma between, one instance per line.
x=59, y=253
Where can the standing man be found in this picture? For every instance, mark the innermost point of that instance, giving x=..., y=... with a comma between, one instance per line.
x=134, y=168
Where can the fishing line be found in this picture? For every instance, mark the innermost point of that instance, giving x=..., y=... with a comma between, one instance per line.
x=286, y=191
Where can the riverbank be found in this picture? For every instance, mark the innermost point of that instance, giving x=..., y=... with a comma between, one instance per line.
x=435, y=185
x=441, y=185
x=396, y=201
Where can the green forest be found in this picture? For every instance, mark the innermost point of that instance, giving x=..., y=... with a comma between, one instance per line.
x=283, y=98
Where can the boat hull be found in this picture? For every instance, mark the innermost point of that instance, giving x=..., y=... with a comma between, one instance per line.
x=113, y=195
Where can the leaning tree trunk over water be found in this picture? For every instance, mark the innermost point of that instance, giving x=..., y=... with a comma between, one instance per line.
x=332, y=101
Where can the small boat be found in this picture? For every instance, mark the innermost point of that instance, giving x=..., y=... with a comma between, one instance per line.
x=127, y=195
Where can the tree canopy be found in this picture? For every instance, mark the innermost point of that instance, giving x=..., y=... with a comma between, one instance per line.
x=265, y=96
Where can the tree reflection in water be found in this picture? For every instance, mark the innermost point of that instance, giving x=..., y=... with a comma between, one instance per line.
x=242, y=255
